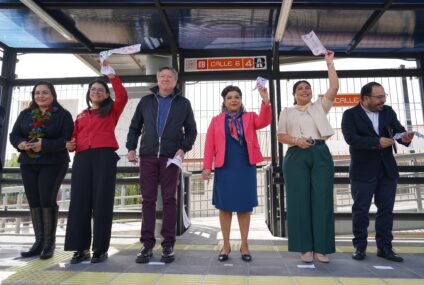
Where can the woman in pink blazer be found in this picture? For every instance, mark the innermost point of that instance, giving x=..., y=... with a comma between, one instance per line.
x=232, y=146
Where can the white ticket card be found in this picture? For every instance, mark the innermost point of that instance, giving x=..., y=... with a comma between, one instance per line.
x=106, y=69
x=123, y=50
x=314, y=44
x=260, y=83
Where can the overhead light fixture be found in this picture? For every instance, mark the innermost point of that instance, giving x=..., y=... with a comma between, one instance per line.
x=282, y=20
x=34, y=7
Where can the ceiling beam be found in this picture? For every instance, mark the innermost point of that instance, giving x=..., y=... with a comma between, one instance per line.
x=58, y=21
x=82, y=50
x=208, y=5
x=136, y=62
x=170, y=33
x=330, y=5
x=4, y=46
x=282, y=20
x=369, y=24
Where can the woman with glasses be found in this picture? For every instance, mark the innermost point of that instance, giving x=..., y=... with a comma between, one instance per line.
x=40, y=134
x=308, y=169
x=94, y=171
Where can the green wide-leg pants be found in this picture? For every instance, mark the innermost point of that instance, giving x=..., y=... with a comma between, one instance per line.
x=309, y=175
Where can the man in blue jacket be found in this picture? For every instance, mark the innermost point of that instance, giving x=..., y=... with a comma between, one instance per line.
x=165, y=121
x=369, y=128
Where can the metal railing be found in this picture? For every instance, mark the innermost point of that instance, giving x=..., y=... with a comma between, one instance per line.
x=409, y=191
x=196, y=197
x=14, y=204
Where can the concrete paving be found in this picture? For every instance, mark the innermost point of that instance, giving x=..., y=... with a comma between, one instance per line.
x=197, y=261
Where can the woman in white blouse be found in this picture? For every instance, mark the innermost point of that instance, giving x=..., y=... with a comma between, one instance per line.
x=308, y=169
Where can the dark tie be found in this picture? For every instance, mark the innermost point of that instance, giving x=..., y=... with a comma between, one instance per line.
x=390, y=130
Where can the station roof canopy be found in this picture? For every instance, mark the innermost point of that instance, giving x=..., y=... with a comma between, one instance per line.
x=391, y=28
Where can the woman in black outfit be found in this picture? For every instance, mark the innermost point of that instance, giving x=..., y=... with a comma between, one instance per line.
x=40, y=134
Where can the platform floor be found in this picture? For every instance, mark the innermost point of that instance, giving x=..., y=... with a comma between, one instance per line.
x=196, y=262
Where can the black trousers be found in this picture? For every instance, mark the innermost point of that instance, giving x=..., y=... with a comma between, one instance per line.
x=92, y=196
x=383, y=189
x=42, y=182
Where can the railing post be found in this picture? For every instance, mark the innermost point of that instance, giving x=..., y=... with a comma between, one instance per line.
x=123, y=194
x=417, y=189
x=61, y=206
x=275, y=202
x=3, y=221
x=183, y=201
x=5, y=196
x=18, y=220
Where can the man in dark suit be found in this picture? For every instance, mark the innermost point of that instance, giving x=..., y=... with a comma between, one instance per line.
x=369, y=128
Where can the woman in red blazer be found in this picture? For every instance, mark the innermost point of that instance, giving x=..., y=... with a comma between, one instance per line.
x=94, y=171
x=232, y=144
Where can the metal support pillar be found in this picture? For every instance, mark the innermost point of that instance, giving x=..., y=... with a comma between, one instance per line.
x=276, y=219
x=420, y=65
x=8, y=73
x=406, y=101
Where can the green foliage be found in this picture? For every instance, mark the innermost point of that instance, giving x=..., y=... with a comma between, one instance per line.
x=13, y=162
x=130, y=190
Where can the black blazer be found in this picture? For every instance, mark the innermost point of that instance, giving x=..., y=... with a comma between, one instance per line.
x=57, y=131
x=367, y=157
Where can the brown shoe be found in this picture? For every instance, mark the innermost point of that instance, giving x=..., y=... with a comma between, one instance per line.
x=307, y=257
x=322, y=258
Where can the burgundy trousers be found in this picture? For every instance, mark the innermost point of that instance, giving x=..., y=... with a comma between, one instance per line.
x=153, y=172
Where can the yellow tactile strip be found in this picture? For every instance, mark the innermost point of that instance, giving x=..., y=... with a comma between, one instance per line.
x=92, y=278
x=37, y=264
x=253, y=247
x=38, y=277
x=34, y=272
x=98, y=278
x=137, y=279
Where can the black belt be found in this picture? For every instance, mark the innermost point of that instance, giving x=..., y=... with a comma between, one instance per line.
x=316, y=142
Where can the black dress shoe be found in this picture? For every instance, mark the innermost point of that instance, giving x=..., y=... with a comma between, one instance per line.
x=99, y=256
x=223, y=256
x=80, y=256
x=389, y=254
x=359, y=254
x=168, y=254
x=144, y=255
x=246, y=257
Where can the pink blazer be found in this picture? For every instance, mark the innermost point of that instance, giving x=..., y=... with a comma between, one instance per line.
x=215, y=137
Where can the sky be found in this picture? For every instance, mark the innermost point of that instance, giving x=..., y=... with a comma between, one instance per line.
x=51, y=66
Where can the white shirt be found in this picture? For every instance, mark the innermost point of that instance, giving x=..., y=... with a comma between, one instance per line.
x=374, y=119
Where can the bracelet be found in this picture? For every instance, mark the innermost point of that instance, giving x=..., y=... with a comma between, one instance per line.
x=330, y=63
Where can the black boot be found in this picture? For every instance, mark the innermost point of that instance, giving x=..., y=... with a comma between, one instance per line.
x=50, y=223
x=37, y=224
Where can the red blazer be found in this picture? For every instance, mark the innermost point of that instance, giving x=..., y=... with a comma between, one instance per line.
x=93, y=131
x=215, y=137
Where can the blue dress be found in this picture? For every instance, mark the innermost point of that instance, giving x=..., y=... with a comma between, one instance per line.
x=234, y=188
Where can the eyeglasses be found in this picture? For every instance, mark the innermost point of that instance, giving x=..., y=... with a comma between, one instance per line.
x=42, y=93
x=380, y=97
x=95, y=90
